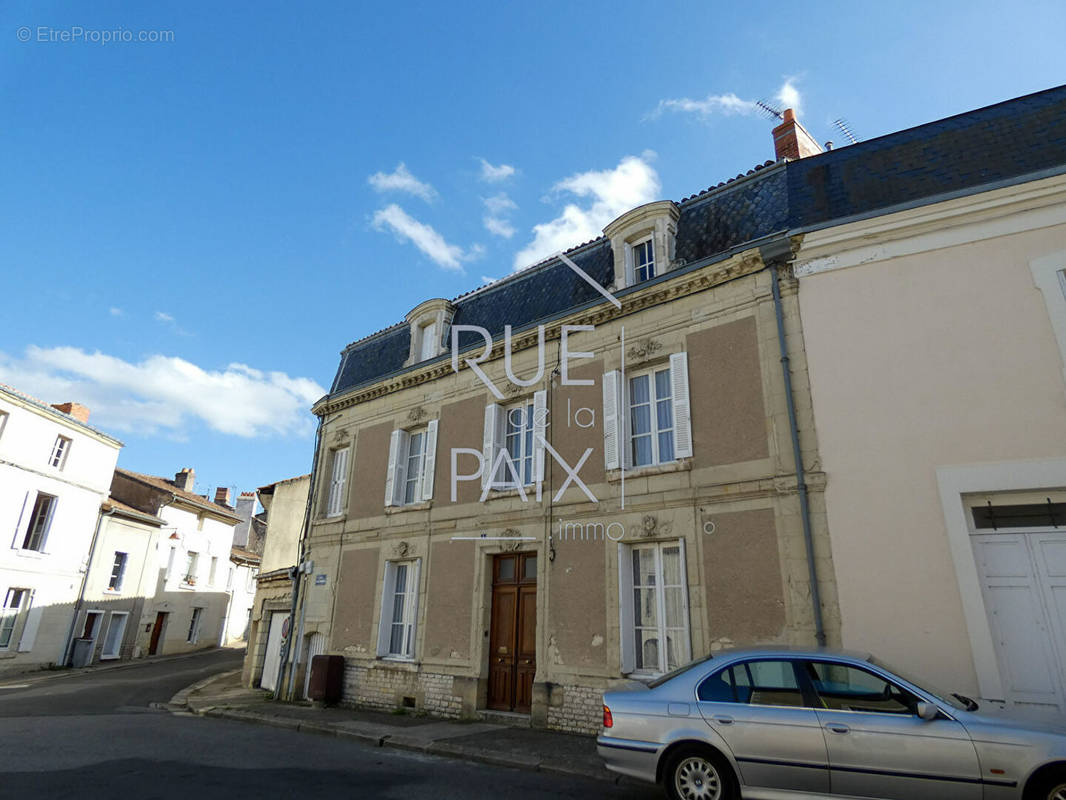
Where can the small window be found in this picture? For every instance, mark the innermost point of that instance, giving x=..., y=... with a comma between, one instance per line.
x=212, y=570
x=40, y=522
x=118, y=572
x=842, y=687
x=415, y=452
x=229, y=580
x=170, y=563
x=59, y=452
x=651, y=418
x=9, y=614
x=429, y=346
x=194, y=626
x=518, y=441
x=1033, y=515
x=643, y=261
x=191, y=560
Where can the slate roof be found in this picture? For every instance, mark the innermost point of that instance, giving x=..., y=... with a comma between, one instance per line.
x=961, y=154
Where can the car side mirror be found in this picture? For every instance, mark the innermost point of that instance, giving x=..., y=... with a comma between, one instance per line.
x=927, y=711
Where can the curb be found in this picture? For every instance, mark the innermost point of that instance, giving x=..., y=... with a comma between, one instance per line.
x=395, y=741
x=181, y=699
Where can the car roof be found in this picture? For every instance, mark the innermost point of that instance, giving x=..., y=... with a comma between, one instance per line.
x=790, y=651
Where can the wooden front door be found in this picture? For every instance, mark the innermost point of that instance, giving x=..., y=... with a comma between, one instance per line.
x=513, y=632
x=157, y=631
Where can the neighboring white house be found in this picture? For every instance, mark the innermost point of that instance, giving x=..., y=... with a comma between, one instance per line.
x=242, y=570
x=188, y=608
x=55, y=472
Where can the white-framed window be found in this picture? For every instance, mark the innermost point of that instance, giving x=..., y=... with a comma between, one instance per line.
x=399, y=609
x=646, y=418
x=229, y=580
x=40, y=522
x=654, y=607
x=191, y=561
x=428, y=341
x=116, y=629
x=118, y=572
x=212, y=570
x=9, y=614
x=249, y=584
x=412, y=458
x=643, y=260
x=194, y=625
x=338, y=482
x=170, y=562
x=513, y=448
x=59, y=452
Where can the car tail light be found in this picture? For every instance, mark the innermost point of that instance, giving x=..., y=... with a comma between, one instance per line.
x=608, y=720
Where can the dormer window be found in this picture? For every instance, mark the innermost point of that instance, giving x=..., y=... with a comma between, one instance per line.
x=429, y=323
x=643, y=242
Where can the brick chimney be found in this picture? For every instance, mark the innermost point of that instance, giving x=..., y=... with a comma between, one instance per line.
x=222, y=496
x=185, y=479
x=791, y=139
x=76, y=410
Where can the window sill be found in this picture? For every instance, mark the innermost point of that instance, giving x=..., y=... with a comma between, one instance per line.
x=399, y=661
x=681, y=465
x=189, y=587
x=23, y=553
x=109, y=658
x=425, y=505
x=113, y=593
x=530, y=489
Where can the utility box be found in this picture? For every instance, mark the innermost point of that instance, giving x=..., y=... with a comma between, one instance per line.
x=327, y=679
x=82, y=653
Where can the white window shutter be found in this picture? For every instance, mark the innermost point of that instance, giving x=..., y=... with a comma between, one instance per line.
x=388, y=588
x=429, y=459
x=626, y=633
x=686, y=653
x=682, y=417
x=492, y=440
x=416, y=575
x=29, y=630
x=612, y=412
x=540, y=407
x=338, y=482
x=18, y=525
x=395, y=457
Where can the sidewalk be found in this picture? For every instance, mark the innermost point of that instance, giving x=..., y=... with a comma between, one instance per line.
x=222, y=696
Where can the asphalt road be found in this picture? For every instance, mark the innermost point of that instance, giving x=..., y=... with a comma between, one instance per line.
x=94, y=736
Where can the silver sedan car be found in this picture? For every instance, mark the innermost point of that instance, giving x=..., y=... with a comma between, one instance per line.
x=775, y=724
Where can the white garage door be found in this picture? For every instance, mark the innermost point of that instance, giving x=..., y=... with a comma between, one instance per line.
x=1023, y=578
x=272, y=662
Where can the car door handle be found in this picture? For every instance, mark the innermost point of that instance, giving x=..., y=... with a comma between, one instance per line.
x=723, y=719
x=836, y=727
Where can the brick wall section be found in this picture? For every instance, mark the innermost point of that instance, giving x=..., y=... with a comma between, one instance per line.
x=384, y=688
x=581, y=711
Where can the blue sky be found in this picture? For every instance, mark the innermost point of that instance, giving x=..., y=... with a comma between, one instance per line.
x=193, y=228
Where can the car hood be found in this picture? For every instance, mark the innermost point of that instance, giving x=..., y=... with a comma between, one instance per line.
x=998, y=723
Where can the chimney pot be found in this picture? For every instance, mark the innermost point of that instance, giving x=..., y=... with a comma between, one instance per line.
x=222, y=496
x=185, y=479
x=791, y=139
x=76, y=410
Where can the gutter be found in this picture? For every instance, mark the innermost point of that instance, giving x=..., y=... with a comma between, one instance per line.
x=775, y=254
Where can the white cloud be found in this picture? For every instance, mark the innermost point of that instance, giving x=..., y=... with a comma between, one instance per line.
x=401, y=180
x=728, y=104
x=162, y=316
x=495, y=221
x=115, y=311
x=609, y=193
x=424, y=237
x=164, y=394
x=491, y=173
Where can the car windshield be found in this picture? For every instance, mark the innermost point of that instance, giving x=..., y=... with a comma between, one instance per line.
x=956, y=701
x=675, y=672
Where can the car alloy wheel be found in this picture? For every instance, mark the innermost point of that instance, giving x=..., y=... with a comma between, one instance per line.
x=696, y=778
x=1057, y=792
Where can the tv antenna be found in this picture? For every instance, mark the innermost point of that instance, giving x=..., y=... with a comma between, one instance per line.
x=771, y=111
x=842, y=124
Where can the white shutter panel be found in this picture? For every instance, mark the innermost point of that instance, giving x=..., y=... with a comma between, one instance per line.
x=492, y=441
x=415, y=570
x=612, y=442
x=338, y=482
x=429, y=459
x=388, y=587
x=625, y=609
x=29, y=630
x=686, y=653
x=18, y=525
x=391, y=478
x=540, y=407
x=682, y=418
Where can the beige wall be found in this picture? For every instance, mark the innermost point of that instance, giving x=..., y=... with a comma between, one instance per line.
x=353, y=619
x=285, y=520
x=941, y=357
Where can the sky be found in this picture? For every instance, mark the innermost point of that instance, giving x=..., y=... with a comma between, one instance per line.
x=193, y=226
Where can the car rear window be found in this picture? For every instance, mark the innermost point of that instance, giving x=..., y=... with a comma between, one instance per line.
x=674, y=673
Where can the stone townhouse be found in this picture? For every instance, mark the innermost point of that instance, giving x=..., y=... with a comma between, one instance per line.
x=589, y=471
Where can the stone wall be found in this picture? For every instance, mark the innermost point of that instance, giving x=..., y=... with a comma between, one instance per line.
x=387, y=688
x=580, y=709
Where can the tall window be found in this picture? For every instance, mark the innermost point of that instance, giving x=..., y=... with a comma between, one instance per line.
x=416, y=444
x=656, y=608
x=429, y=346
x=59, y=452
x=116, y=629
x=40, y=521
x=651, y=418
x=643, y=261
x=338, y=483
x=399, y=610
x=212, y=570
x=518, y=439
x=9, y=615
x=191, y=560
x=170, y=563
x=194, y=626
x=118, y=572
